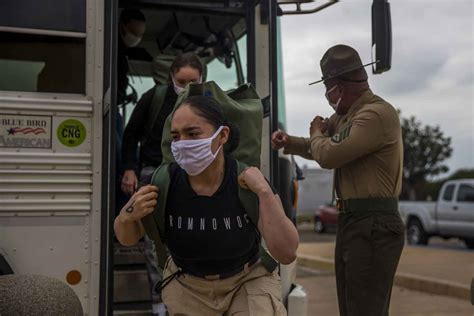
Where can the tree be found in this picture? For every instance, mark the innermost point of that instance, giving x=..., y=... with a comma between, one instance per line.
x=425, y=148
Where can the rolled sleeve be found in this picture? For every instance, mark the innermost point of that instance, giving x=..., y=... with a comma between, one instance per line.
x=363, y=136
x=298, y=146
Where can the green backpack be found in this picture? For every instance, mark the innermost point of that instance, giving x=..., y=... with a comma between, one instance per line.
x=241, y=106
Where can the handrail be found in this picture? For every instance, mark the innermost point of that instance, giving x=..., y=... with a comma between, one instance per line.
x=299, y=9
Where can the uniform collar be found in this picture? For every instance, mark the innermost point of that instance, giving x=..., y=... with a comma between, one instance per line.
x=363, y=99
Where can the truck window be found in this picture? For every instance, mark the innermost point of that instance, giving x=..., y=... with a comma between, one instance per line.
x=448, y=193
x=466, y=193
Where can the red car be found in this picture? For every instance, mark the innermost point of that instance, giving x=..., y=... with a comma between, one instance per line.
x=325, y=217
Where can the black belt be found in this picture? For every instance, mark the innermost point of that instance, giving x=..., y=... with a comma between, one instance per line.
x=161, y=285
x=227, y=274
x=367, y=205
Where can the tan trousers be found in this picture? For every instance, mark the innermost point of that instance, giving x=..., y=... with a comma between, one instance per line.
x=252, y=292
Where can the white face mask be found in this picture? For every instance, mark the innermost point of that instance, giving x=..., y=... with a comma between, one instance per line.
x=333, y=105
x=179, y=89
x=130, y=40
x=195, y=155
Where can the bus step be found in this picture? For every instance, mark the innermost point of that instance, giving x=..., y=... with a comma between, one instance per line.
x=134, y=313
x=133, y=309
x=129, y=255
x=131, y=286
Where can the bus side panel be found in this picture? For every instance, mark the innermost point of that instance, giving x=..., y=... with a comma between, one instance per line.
x=46, y=192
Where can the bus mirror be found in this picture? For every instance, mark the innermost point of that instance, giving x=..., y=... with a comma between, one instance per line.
x=381, y=36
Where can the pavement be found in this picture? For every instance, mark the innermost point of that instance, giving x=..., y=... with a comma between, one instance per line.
x=320, y=287
x=439, y=271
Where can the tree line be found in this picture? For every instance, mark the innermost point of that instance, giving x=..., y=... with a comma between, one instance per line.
x=425, y=151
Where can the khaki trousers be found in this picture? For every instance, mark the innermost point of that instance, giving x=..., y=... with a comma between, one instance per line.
x=253, y=292
x=368, y=249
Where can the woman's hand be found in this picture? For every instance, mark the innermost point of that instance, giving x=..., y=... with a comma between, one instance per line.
x=252, y=178
x=129, y=182
x=142, y=203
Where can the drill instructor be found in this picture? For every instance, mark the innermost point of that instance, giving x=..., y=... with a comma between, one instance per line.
x=362, y=143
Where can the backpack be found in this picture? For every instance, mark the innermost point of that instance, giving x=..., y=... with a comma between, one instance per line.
x=243, y=107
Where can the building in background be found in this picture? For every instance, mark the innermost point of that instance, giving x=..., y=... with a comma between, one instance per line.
x=315, y=189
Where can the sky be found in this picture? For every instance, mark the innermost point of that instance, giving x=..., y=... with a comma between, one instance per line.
x=432, y=65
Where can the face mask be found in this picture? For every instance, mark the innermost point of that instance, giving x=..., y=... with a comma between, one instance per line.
x=194, y=156
x=333, y=105
x=179, y=89
x=129, y=39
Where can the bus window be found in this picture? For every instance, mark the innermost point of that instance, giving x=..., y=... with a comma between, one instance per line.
x=41, y=63
x=141, y=84
x=242, y=46
x=58, y=15
x=227, y=78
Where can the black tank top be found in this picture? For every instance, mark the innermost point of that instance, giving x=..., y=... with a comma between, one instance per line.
x=208, y=235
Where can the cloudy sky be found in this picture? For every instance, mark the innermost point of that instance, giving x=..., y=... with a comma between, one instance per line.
x=432, y=64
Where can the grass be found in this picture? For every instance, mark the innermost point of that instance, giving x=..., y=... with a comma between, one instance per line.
x=304, y=218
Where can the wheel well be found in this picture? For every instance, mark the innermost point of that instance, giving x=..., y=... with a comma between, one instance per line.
x=413, y=218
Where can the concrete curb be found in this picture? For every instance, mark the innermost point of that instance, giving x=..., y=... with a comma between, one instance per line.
x=406, y=280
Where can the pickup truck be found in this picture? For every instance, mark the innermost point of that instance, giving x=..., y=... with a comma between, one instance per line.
x=452, y=216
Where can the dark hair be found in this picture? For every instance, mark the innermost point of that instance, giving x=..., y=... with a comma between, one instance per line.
x=131, y=14
x=209, y=109
x=186, y=59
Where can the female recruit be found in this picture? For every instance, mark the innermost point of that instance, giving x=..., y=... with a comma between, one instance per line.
x=214, y=266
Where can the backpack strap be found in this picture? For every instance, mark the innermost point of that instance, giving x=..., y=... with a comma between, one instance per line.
x=249, y=201
x=155, y=107
x=154, y=223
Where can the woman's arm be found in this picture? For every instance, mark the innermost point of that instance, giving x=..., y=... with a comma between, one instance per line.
x=134, y=131
x=279, y=233
x=127, y=226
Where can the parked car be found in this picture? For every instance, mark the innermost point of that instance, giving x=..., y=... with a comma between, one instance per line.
x=452, y=216
x=325, y=217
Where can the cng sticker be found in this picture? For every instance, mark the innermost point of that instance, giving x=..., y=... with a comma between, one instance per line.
x=71, y=133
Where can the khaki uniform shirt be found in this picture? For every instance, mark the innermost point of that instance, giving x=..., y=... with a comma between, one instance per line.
x=364, y=147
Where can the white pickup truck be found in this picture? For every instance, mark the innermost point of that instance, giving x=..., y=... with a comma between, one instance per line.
x=451, y=217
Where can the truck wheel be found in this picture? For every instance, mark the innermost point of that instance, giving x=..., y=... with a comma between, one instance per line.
x=469, y=243
x=318, y=225
x=416, y=234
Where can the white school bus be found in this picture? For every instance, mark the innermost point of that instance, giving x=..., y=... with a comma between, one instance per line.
x=57, y=127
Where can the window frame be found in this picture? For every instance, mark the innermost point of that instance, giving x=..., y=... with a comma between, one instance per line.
x=471, y=186
x=73, y=15
x=448, y=186
x=89, y=53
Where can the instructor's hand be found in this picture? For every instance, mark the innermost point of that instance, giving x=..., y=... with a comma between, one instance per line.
x=279, y=140
x=129, y=182
x=318, y=124
x=142, y=203
x=252, y=178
